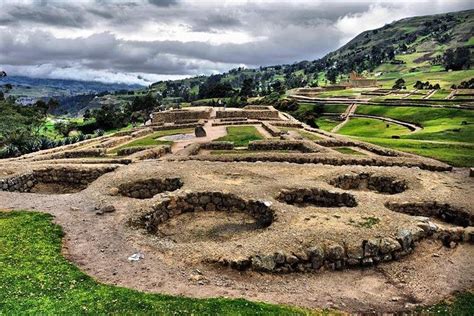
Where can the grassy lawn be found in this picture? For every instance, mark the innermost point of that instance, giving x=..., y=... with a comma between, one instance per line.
x=327, y=123
x=241, y=135
x=151, y=139
x=366, y=127
x=456, y=154
x=438, y=124
x=36, y=279
x=348, y=151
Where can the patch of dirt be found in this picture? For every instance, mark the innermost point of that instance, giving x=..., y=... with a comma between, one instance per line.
x=207, y=226
x=57, y=188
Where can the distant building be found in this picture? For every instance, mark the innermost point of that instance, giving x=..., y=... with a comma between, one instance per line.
x=357, y=81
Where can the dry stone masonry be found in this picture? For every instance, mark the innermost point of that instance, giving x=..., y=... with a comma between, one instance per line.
x=174, y=205
x=145, y=189
x=367, y=181
x=315, y=196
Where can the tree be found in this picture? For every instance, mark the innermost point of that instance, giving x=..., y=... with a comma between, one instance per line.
x=87, y=114
x=247, y=87
x=399, y=84
x=457, y=59
x=331, y=75
x=65, y=127
x=279, y=87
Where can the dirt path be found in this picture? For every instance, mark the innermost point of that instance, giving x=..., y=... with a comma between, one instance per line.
x=351, y=109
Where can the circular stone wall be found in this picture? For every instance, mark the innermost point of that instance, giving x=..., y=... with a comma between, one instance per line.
x=201, y=202
x=146, y=189
x=367, y=181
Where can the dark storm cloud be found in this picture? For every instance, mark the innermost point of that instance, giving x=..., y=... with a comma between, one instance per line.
x=172, y=37
x=163, y=3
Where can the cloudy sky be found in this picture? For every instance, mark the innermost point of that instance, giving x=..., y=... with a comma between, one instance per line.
x=149, y=40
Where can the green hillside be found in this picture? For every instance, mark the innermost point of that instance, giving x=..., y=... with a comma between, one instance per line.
x=412, y=48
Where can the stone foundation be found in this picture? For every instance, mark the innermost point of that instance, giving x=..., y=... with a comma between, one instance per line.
x=367, y=181
x=174, y=205
x=443, y=211
x=294, y=145
x=73, y=179
x=272, y=130
x=324, y=159
x=145, y=189
x=317, y=197
x=172, y=116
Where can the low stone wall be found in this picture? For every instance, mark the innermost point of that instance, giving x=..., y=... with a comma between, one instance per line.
x=294, y=145
x=172, y=116
x=174, y=126
x=80, y=153
x=131, y=150
x=60, y=175
x=287, y=124
x=174, y=205
x=153, y=153
x=250, y=114
x=324, y=159
x=113, y=142
x=361, y=181
x=332, y=255
x=315, y=196
x=145, y=189
x=230, y=119
x=349, y=143
x=443, y=211
x=272, y=130
x=246, y=122
x=217, y=145
x=142, y=132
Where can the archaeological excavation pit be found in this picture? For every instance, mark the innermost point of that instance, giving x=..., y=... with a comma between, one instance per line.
x=201, y=216
x=148, y=188
x=54, y=180
x=442, y=211
x=368, y=181
x=316, y=197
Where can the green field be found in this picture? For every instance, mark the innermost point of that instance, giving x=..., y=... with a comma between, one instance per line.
x=439, y=124
x=456, y=154
x=241, y=135
x=151, y=139
x=327, y=123
x=366, y=127
x=36, y=279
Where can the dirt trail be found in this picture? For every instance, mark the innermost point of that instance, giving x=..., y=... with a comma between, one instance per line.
x=351, y=109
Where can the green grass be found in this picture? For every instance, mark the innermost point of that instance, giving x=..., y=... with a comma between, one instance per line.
x=36, y=279
x=461, y=304
x=151, y=139
x=439, y=124
x=348, y=151
x=241, y=135
x=366, y=127
x=456, y=154
x=327, y=123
